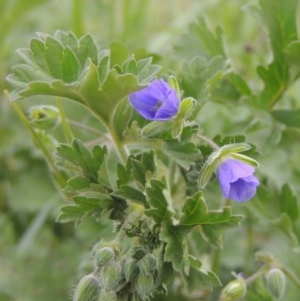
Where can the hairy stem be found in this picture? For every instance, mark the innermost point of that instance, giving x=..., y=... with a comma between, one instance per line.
x=208, y=141
x=65, y=125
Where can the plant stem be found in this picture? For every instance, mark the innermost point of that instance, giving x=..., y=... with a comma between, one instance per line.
x=65, y=125
x=118, y=144
x=77, y=17
x=291, y=276
x=85, y=127
x=256, y=275
x=207, y=140
x=118, y=21
x=249, y=247
x=216, y=260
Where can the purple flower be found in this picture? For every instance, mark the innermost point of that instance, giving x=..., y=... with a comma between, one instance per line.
x=158, y=101
x=237, y=180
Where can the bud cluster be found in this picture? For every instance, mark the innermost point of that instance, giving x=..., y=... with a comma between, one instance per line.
x=117, y=275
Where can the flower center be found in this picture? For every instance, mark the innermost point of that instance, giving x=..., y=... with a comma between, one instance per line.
x=158, y=104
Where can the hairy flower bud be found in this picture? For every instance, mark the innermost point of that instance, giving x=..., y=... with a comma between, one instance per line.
x=144, y=285
x=235, y=290
x=130, y=268
x=110, y=275
x=44, y=117
x=104, y=255
x=107, y=296
x=275, y=282
x=147, y=264
x=87, y=289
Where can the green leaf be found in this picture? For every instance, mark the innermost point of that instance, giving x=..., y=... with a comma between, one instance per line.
x=87, y=50
x=70, y=66
x=285, y=223
x=84, y=207
x=288, y=202
x=214, y=223
x=280, y=21
x=74, y=68
x=290, y=118
x=122, y=117
x=184, y=153
x=130, y=193
x=200, y=278
x=136, y=169
x=88, y=203
x=200, y=77
x=80, y=156
x=159, y=201
x=78, y=183
x=143, y=69
x=202, y=41
x=175, y=239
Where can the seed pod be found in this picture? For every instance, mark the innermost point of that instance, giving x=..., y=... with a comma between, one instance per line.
x=147, y=264
x=130, y=268
x=87, y=289
x=276, y=282
x=110, y=275
x=144, y=285
x=104, y=256
x=235, y=290
x=107, y=296
x=44, y=117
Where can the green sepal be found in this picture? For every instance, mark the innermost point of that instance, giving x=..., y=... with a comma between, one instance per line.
x=209, y=168
x=174, y=85
x=245, y=159
x=177, y=128
x=156, y=128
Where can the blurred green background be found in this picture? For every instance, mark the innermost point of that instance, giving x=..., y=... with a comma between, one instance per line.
x=41, y=259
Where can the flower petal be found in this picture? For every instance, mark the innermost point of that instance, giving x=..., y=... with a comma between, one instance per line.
x=238, y=169
x=237, y=181
x=158, y=101
x=242, y=190
x=168, y=108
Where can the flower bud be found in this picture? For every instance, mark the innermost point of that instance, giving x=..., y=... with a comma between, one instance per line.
x=147, y=264
x=130, y=268
x=144, y=285
x=104, y=255
x=235, y=290
x=44, y=117
x=87, y=289
x=110, y=275
x=275, y=282
x=138, y=252
x=107, y=296
x=186, y=107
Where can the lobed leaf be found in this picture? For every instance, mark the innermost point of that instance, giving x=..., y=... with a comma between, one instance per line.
x=160, y=203
x=63, y=65
x=175, y=239
x=214, y=223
